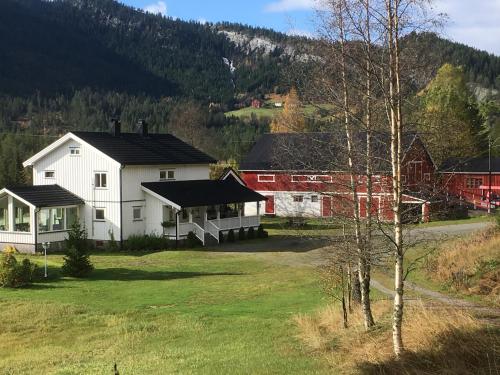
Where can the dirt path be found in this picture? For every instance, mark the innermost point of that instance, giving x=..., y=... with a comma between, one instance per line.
x=299, y=252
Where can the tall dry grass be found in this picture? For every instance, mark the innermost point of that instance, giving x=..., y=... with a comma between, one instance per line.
x=470, y=264
x=438, y=341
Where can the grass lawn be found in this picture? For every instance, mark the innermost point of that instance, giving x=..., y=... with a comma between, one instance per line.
x=181, y=312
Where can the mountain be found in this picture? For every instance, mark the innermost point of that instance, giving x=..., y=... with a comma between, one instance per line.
x=59, y=46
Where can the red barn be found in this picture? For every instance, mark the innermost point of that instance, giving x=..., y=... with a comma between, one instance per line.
x=305, y=174
x=470, y=180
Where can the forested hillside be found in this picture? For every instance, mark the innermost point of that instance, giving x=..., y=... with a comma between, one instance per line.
x=74, y=64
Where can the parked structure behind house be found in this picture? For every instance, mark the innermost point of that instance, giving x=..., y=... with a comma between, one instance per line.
x=305, y=174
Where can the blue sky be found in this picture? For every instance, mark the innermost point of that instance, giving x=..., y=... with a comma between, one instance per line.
x=473, y=22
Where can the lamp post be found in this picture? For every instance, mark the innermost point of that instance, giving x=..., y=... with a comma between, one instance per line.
x=45, y=246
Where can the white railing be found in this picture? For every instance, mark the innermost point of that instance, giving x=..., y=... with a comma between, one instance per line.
x=212, y=229
x=199, y=232
x=237, y=222
x=185, y=228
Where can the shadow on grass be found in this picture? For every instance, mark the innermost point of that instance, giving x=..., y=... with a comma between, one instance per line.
x=127, y=274
x=272, y=244
x=453, y=352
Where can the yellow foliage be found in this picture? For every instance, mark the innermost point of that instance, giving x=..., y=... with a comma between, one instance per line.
x=292, y=119
x=10, y=249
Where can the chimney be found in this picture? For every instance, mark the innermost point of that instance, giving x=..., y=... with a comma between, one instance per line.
x=115, y=127
x=142, y=128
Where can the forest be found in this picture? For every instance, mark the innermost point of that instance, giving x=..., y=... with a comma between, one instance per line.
x=75, y=64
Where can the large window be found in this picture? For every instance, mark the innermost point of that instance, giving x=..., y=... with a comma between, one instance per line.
x=101, y=180
x=57, y=219
x=21, y=217
x=4, y=214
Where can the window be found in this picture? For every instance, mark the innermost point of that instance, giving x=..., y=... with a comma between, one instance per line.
x=314, y=198
x=137, y=213
x=57, y=219
x=74, y=151
x=101, y=180
x=298, y=198
x=50, y=174
x=427, y=177
x=167, y=174
x=473, y=182
x=99, y=214
x=265, y=178
x=311, y=178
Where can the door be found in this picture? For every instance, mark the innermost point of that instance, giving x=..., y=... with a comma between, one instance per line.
x=270, y=205
x=326, y=206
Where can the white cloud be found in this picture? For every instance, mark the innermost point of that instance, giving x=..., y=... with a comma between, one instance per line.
x=290, y=5
x=157, y=8
x=475, y=23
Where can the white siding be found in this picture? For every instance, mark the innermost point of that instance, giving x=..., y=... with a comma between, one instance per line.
x=154, y=215
x=76, y=174
x=284, y=204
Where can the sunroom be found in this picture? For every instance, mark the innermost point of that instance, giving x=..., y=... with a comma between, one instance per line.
x=33, y=215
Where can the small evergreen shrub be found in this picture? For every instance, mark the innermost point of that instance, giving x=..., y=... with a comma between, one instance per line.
x=147, y=242
x=77, y=260
x=261, y=233
x=230, y=236
x=221, y=237
x=241, y=234
x=192, y=240
x=251, y=233
x=14, y=274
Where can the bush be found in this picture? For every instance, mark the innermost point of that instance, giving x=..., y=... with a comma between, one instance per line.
x=241, y=234
x=147, y=242
x=77, y=260
x=14, y=274
x=251, y=233
x=261, y=233
x=230, y=236
x=221, y=237
x=112, y=245
x=192, y=240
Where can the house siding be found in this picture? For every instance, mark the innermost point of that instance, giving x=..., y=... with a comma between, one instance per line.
x=76, y=174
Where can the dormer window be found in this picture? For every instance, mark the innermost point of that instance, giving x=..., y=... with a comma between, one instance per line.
x=167, y=174
x=50, y=174
x=74, y=151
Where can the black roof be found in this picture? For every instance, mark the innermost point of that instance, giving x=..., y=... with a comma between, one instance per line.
x=317, y=151
x=46, y=195
x=473, y=165
x=203, y=192
x=135, y=149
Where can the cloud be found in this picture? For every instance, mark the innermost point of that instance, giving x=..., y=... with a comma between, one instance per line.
x=157, y=8
x=472, y=22
x=290, y=5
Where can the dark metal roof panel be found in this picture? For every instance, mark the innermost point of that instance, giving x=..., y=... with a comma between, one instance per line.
x=135, y=149
x=203, y=192
x=472, y=165
x=46, y=195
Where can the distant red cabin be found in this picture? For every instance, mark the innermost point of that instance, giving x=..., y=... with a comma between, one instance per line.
x=470, y=181
x=256, y=103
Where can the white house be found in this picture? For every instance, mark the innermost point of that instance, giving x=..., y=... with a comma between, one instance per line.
x=121, y=184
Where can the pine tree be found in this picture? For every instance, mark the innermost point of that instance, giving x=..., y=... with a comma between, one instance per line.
x=77, y=260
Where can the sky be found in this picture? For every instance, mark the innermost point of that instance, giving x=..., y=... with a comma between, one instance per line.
x=472, y=22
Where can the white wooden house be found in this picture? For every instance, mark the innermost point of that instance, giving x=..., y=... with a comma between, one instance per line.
x=121, y=184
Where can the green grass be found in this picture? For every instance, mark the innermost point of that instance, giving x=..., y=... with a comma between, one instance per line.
x=475, y=219
x=179, y=312
x=270, y=111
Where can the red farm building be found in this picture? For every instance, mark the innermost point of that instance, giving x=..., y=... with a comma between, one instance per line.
x=474, y=181
x=305, y=174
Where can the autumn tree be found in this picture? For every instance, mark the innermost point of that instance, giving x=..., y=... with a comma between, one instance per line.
x=449, y=119
x=292, y=119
